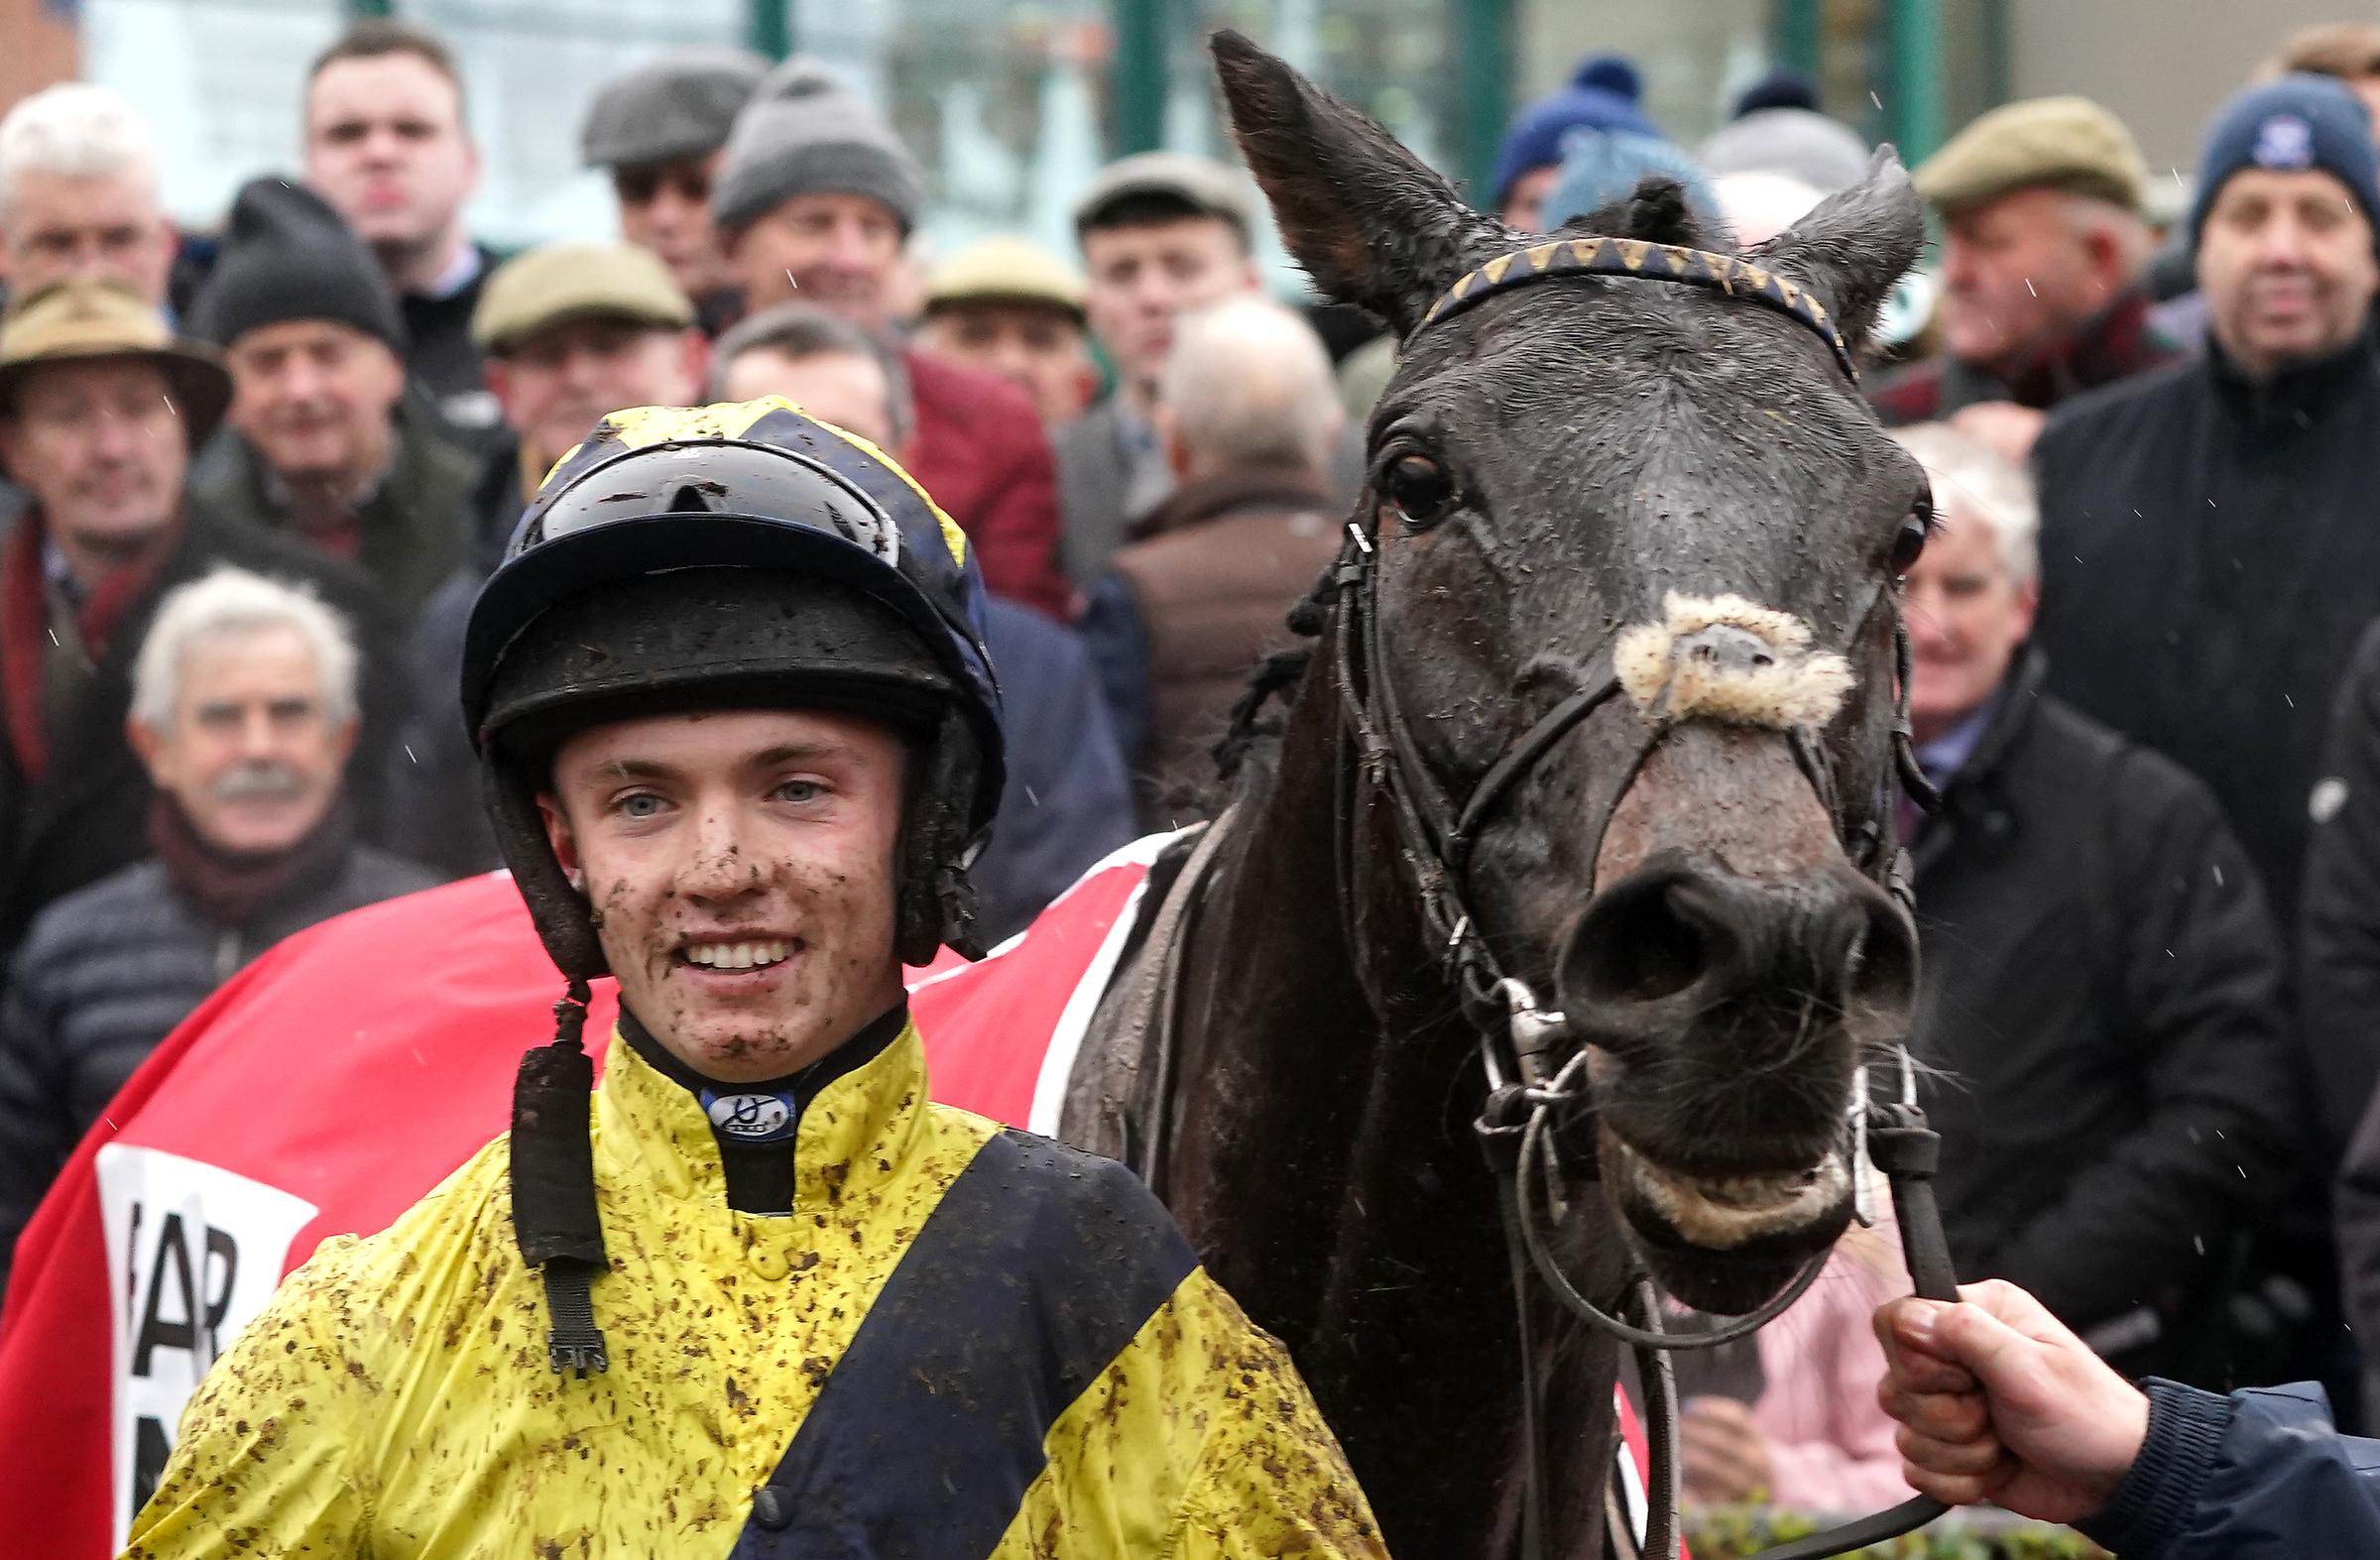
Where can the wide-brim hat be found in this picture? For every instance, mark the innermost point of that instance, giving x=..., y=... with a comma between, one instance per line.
x=89, y=320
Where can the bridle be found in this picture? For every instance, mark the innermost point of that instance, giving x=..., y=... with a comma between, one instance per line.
x=1530, y=1094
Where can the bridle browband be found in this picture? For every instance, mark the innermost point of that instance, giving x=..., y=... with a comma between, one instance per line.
x=1642, y=260
x=1530, y=1093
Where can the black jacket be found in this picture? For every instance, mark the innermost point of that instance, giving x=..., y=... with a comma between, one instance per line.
x=445, y=365
x=2210, y=553
x=2339, y=921
x=417, y=526
x=2102, y=996
x=86, y=817
x=105, y=974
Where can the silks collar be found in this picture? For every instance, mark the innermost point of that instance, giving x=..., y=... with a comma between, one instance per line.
x=837, y=1113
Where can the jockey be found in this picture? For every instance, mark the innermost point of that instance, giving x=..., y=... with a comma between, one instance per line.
x=740, y=740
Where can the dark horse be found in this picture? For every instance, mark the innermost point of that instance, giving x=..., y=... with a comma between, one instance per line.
x=1570, y=475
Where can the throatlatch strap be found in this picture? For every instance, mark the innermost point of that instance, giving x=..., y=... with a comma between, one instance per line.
x=554, y=1217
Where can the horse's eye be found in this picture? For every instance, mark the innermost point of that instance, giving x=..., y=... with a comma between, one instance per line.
x=1418, y=489
x=1909, y=544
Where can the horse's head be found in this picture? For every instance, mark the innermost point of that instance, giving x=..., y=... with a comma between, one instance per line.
x=1599, y=478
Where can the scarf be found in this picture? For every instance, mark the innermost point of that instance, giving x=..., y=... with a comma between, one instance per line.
x=24, y=632
x=233, y=888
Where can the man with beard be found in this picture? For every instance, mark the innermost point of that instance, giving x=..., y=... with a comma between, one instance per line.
x=243, y=712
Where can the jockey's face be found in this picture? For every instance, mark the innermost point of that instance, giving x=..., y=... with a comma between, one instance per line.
x=741, y=868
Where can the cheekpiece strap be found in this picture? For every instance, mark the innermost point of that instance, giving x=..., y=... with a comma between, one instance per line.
x=1644, y=261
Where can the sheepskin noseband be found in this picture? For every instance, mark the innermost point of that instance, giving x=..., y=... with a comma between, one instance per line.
x=1722, y=657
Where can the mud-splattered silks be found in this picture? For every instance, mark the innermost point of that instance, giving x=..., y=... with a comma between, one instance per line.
x=1005, y=1309
x=961, y=1342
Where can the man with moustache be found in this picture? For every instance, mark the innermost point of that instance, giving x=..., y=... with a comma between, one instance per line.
x=244, y=712
x=100, y=406
x=741, y=738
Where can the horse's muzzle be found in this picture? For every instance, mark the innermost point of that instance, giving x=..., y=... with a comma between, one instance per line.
x=1681, y=942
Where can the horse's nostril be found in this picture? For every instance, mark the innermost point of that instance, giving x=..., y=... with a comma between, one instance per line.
x=1638, y=943
x=1881, y=972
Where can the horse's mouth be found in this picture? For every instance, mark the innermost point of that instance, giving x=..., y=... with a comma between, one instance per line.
x=1720, y=1213
x=1725, y=1243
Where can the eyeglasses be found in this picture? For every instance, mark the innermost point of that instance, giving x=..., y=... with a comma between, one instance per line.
x=637, y=187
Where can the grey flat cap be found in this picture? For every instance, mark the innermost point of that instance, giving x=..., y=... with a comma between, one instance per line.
x=1199, y=182
x=678, y=105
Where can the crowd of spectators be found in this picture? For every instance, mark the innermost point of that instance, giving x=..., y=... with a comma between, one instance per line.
x=245, y=504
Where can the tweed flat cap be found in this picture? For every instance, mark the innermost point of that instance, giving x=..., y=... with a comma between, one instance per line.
x=1200, y=183
x=1005, y=268
x=681, y=104
x=2064, y=143
x=558, y=282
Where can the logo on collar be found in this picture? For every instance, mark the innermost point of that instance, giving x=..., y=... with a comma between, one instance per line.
x=752, y=1117
x=2284, y=140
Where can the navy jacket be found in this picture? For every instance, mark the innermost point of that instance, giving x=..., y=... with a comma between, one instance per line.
x=2256, y=1475
x=105, y=974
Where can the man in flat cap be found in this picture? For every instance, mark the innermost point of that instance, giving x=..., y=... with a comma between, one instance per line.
x=2043, y=248
x=571, y=332
x=815, y=200
x=1162, y=233
x=1008, y=306
x=658, y=131
x=325, y=443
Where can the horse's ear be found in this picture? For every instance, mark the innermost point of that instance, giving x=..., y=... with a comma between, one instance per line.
x=1852, y=247
x=1369, y=222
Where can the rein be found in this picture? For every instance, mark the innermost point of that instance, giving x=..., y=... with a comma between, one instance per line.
x=1517, y=1036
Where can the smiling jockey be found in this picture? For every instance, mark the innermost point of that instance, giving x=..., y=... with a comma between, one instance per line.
x=740, y=738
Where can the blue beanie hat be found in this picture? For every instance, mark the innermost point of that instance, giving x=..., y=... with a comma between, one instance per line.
x=1603, y=165
x=1602, y=95
x=2298, y=122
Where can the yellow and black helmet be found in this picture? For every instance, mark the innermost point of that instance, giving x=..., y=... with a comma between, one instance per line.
x=737, y=554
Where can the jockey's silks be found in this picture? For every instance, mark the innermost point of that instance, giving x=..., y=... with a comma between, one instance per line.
x=963, y=1342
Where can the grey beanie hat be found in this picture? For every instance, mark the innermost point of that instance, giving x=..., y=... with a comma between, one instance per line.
x=681, y=104
x=804, y=133
x=1821, y=151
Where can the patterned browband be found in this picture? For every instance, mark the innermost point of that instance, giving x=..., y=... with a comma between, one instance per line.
x=1648, y=262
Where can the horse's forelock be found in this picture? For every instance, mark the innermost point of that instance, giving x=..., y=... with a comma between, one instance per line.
x=1656, y=210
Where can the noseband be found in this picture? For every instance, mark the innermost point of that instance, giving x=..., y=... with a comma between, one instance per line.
x=1530, y=1089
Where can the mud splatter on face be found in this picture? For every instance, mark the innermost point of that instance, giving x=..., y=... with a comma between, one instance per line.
x=746, y=863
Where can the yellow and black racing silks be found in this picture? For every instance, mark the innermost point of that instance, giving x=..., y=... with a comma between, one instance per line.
x=964, y=1342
